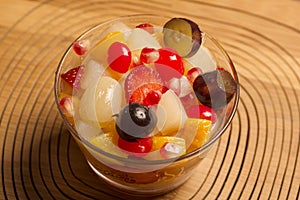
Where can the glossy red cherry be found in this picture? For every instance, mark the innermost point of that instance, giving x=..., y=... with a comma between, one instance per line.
x=202, y=112
x=169, y=64
x=139, y=147
x=119, y=57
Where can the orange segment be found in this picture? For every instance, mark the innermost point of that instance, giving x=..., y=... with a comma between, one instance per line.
x=159, y=141
x=196, y=132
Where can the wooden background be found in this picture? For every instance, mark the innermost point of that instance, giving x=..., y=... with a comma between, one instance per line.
x=256, y=158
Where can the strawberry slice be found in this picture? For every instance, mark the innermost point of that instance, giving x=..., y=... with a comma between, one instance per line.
x=73, y=77
x=141, y=82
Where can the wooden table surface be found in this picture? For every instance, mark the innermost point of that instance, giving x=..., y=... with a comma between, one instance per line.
x=256, y=158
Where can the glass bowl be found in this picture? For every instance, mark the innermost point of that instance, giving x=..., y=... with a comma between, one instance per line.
x=150, y=173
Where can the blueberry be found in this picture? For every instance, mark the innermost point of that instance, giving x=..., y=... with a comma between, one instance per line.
x=135, y=121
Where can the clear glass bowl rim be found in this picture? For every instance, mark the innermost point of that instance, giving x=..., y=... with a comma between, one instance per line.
x=138, y=161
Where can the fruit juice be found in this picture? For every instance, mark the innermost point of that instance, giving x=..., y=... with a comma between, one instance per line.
x=145, y=99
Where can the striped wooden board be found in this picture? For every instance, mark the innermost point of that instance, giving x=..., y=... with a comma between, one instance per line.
x=256, y=158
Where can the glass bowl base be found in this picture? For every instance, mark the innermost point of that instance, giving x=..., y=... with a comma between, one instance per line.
x=140, y=190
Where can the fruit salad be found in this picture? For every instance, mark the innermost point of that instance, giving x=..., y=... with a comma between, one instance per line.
x=140, y=90
x=145, y=93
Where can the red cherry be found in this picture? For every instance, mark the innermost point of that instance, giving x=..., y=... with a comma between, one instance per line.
x=147, y=27
x=152, y=98
x=169, y=64
x=119, y=57
x=149, y=55
x=202, y=112
x=81, y=46
x=140, y=147
x=193, y=73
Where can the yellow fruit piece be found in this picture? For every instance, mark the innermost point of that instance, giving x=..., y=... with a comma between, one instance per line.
x=187, y=66
x=108, y=98
x=109, y=35
x=114, y=74
x=159, y=36
x=166, y=147
x=195, y=132
x=108, y=126
x=99, y=52
x=170, y=114
x=65, y=87
x=62, y=95
x=159, y=141
x=107, y=142
x=99, y=103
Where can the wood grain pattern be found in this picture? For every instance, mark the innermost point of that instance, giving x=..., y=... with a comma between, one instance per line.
x=257, y=157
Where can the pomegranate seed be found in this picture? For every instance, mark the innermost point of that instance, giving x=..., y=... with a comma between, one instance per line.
x=147, y=27
x=220, y=68
x=136, y=61
x=81, y=47
x=67, y=107
x=149, y=55
x=152, y=98
x=193, y=73
x=164, y=89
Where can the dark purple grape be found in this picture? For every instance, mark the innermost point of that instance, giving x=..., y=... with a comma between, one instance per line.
x=215, y=89
x=182, y=35
x=135, y=121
